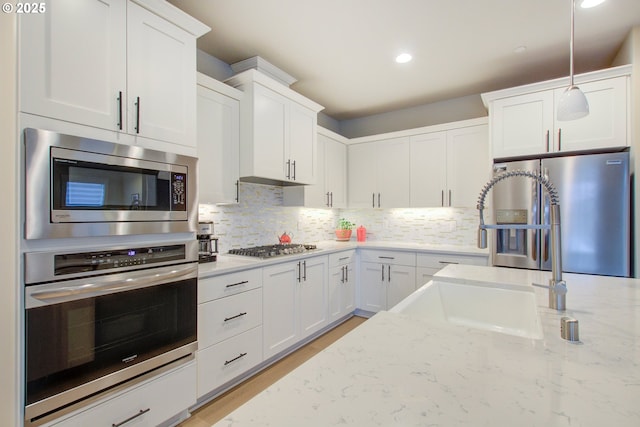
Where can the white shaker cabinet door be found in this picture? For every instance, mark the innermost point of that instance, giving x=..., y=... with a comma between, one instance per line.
x=468, y=165
x=362, y=175
x=335, y=172
x=428, y=170
x=162, y=82
x=218, y=147
x=314, y=306
x=280, y=307
x=393, y=173
x=606, y=124
x=269, y=151
x=522, y=125
x=302, y=144
x=75, y=69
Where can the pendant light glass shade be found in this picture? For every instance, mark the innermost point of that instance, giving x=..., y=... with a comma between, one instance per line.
x=573, y=103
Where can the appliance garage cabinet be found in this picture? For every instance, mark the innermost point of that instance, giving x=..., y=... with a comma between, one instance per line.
x=295, y=302
x=330, y=189
x=448, y=167
x=95, y=71
x=218, y=141
x=229, y=327
x=386, y=278
x=523, y=123
x=278, y=131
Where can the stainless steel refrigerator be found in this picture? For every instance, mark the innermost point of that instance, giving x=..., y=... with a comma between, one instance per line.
x=595, y=212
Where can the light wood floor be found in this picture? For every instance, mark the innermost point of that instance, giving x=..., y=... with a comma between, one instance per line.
x=223, y=405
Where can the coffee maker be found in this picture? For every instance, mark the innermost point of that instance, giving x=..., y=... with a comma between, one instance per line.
x=207, y=242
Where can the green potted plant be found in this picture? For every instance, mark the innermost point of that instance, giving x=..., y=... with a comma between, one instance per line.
x=343, y=231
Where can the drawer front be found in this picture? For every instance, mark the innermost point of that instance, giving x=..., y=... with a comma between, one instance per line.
x=223, y=318
x=341, y=258
x=156, y=401
x=389, y=257
x=216, y=287
x=442, y=260
x=229, y=359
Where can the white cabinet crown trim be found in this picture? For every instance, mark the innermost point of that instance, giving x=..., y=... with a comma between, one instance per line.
x=218, y=86
x=174, y=15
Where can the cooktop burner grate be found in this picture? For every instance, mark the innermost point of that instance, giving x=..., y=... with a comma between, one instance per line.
x=269, y=251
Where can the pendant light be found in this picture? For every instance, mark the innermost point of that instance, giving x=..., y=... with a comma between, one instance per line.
x=573, y=103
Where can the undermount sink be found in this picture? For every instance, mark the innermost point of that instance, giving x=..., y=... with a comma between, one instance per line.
x=493, y=307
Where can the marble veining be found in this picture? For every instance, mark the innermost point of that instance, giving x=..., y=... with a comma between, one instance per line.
x=395, y=370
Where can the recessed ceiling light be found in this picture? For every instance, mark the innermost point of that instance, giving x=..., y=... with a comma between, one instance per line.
x=586, y=4
x=403, y=57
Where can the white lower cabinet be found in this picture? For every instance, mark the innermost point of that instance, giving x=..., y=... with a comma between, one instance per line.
x=229, y=327
x=148, y=404
x=430, y=264
x=342, y=281
x=386, y=278
x=294, y=302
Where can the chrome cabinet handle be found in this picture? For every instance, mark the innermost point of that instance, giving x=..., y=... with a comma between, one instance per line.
x=342, y=270
x=386, y=257
x=240, y=356
x=547, y=140
x=238, y=191
x=304, y=263
x=448, y=262
x=294, y=170
x=299, y=272
x=138, y=114
x=449, y=198
x=133, y=417
x=120, y=110
x=346, y=273
x=378, y=199
x=288, y=175
x=442, y=198
x=373, y=200
x=389, y=275
x=559, y=139
x=328, y=202
x=235, y=317
x=382, y=272
x=331, y=204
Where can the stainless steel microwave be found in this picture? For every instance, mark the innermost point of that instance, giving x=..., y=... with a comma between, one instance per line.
x=80, y=187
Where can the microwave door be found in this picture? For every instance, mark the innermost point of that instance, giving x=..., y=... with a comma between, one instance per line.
x=516, y=201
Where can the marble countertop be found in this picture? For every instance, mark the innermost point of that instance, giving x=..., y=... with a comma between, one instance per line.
x=230, y=263
x=396, y=370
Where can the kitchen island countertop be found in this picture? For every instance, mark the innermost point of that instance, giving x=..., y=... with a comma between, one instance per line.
x=397, y=370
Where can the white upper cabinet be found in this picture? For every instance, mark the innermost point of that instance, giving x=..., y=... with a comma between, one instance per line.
x=379, y=174
x=449, y=168
x=278, y=131
x=75, y=69
x=121, y=67
x=523, y=120
x=218, y=141
x=330, y=189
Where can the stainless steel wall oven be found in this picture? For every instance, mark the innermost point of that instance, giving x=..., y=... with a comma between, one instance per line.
x=79, y=187
x=96, y=319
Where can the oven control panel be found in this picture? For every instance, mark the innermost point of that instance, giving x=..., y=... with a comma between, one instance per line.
x=104, y=260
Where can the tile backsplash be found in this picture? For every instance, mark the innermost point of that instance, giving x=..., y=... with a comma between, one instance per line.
x=259, y=218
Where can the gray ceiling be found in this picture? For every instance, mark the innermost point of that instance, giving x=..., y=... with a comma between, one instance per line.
x=342, y=51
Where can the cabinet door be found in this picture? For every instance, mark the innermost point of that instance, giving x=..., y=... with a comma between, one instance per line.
x=335, y=171
x=161, y=59
x=606, y=124
x=522, y=125
x=269, y=113
x=74, y=69
x=313, y=295
x=348, y=297
x=401, y=282
x=393, y=174
x=280, y=307
x=336, y=280
x=362, y=175
x=468, y=165
x=302, y=144
x=218, y=149
x=373, y=292
x=428, y=170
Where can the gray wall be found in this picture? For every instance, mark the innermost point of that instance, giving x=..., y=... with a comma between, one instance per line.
x=452, y=110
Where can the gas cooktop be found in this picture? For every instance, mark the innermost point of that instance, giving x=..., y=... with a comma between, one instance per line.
x=269, y=251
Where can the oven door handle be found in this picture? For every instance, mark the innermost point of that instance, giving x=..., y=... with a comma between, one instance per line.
x=89, y=287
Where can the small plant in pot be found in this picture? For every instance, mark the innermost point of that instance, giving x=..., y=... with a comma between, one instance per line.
x=343, y=231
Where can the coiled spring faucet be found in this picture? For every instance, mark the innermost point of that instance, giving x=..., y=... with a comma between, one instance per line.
x=557, y=286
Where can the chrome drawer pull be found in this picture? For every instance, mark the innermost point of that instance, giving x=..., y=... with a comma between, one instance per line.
x=237, y=284
x=387, y=257
x=235, y=317
x=448, y=262
x=234, y=359
x=133, y=417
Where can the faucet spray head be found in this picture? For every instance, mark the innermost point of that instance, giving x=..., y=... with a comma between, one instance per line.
x=482, y=238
